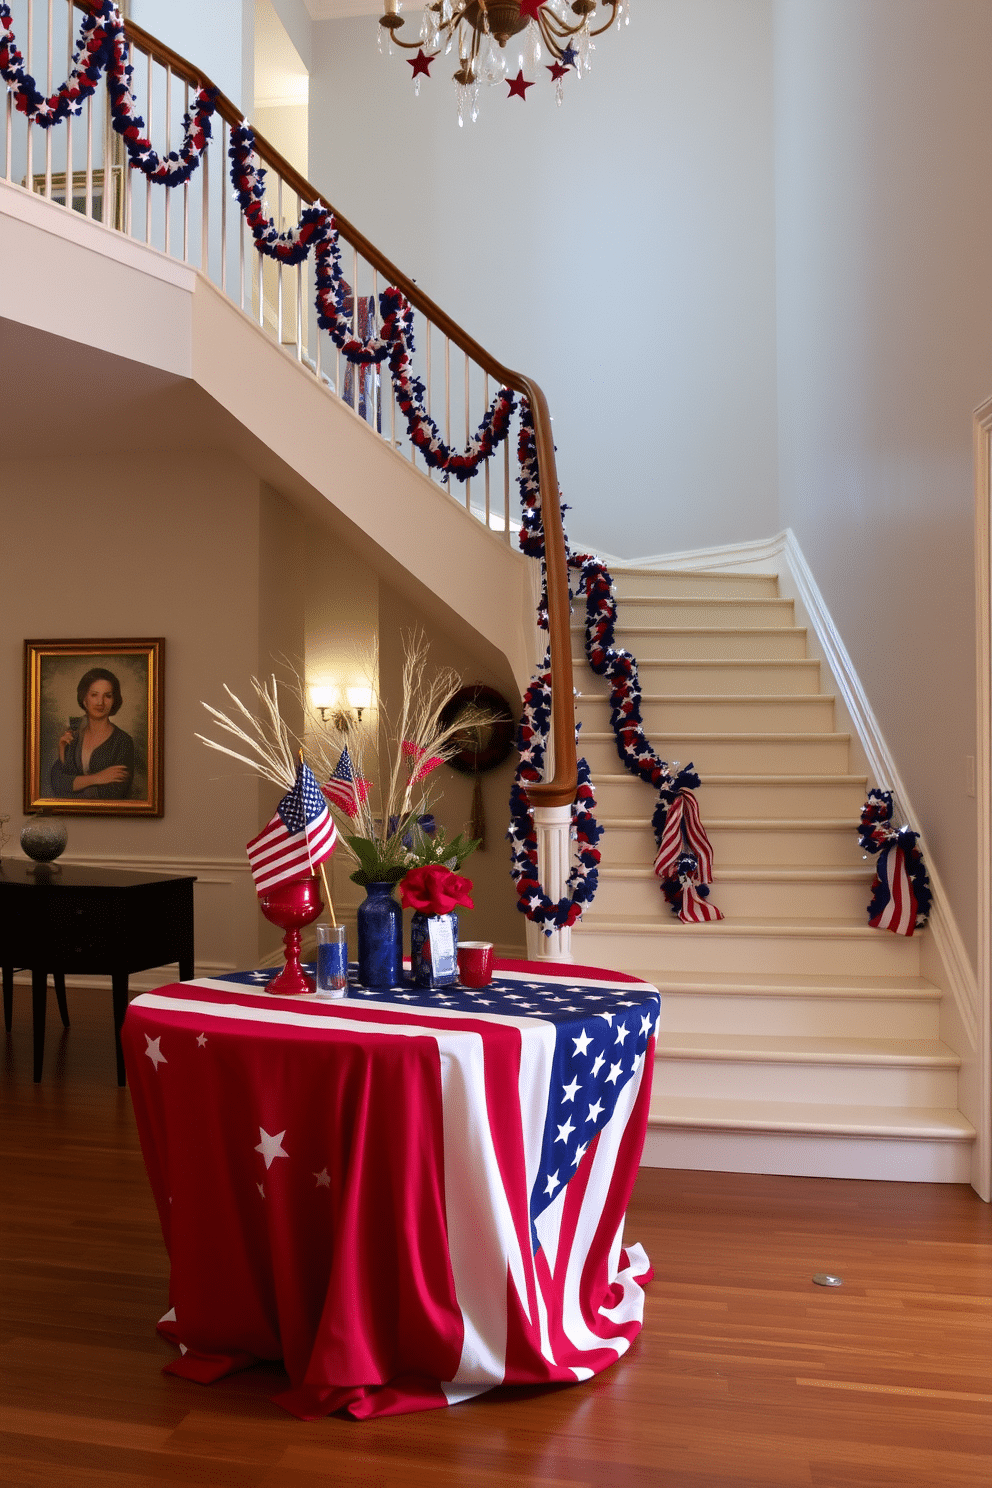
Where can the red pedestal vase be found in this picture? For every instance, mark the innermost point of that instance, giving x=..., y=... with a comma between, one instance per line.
x=291, y=906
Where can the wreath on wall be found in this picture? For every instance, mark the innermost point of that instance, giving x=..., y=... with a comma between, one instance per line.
x=481, y=747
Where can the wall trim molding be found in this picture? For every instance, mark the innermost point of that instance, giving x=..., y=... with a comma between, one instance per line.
x=761, y=554
x=983, y=779
x=207, y=870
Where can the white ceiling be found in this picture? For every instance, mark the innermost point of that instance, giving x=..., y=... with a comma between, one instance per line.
x=336, y=10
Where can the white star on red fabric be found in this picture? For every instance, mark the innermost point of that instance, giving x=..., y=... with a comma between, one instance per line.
x=153, y=1051
x=261, y=1189
x=270, y=1147
x=201, y=1040
x=323, y=1178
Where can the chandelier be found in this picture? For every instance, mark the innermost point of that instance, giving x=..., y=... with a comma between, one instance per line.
x=482, y=29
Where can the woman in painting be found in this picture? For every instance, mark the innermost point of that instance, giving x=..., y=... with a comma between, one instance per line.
x=96, y=758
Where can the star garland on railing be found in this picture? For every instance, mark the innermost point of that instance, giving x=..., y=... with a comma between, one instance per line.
x=900, y=891
x=678, y=829
x=103, y=47
x=334, y=298
x=583, y=879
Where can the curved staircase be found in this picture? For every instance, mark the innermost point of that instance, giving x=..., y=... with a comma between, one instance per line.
x=794, y=1038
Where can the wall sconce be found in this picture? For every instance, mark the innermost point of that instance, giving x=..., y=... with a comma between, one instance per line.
x=325, y=700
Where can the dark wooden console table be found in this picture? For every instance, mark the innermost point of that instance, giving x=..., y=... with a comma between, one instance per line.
x=104, y=921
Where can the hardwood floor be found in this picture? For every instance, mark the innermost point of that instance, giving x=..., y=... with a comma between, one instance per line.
x=745, y=1373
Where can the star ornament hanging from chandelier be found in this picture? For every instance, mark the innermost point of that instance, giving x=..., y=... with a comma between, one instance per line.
x=481, y=30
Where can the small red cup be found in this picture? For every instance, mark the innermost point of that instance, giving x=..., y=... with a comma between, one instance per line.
x=475, y=963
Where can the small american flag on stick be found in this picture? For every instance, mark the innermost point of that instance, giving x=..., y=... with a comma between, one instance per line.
x=300, y=836
x=344, y=789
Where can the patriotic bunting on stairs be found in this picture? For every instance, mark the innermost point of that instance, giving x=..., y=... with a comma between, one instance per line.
x=103, y=47
x=900, y=891
x=684, y=863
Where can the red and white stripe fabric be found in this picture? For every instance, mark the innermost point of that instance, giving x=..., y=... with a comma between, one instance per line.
x=683, y=814
x=900, y=909
x=695, y=909
x=348, y=1187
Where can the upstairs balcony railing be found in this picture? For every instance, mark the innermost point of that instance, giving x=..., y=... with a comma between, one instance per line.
x=83, y=167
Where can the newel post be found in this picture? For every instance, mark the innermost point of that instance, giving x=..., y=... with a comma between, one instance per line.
x=553, y=827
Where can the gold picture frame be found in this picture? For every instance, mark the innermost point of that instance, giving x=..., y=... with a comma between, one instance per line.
x=58, y=193
x=107, y=691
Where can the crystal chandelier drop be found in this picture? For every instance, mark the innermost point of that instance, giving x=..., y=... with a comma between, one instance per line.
x=482, y=29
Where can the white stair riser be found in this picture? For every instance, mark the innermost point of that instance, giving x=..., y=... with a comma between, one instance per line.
x=704, y=948
x=807, y=1155
x=694, y=678
x=799, y=754
x=835, y=1084
x=750, y=898
x=747, y=798
x=739, y=614
x=684, y=582
x=715, y=714
x=651, y=645
x=806, y=1017
x=743, y=847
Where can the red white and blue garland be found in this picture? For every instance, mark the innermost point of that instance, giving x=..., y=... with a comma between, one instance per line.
x=102, y=47
x=684, y=860
x=394, y=344
x=583, y=878
x=900, y=891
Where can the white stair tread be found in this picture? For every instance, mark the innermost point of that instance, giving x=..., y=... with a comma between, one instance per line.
x=747, y=823
x=763, y=1048
x=674, y=701
x=718, y=600
x=755, y=875
x=775, y=984
x=578, y=628
x=669, y=924
x=719, y=661
x=935, y=1123
x=727, y=736
x=615, y=779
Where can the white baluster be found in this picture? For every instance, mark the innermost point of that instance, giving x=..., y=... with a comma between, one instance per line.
x=553, y=828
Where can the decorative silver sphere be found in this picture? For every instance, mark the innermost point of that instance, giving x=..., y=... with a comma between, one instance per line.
x=44, y=838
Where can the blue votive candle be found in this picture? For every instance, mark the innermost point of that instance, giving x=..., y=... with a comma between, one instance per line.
x=332, y=961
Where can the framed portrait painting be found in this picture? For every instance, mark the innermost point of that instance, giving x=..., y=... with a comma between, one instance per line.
x=93, y=727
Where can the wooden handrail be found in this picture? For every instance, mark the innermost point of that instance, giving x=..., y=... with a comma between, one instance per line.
x=560, y=789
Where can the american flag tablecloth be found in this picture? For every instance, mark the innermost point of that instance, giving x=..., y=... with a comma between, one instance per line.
x=407, y=1196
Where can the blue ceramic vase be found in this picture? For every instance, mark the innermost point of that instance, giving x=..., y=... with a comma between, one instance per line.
x=380, y=937
x=422, y=968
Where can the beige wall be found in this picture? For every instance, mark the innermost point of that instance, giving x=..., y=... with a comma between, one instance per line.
x=167, y=546
x=620, y=249
x=885, y=347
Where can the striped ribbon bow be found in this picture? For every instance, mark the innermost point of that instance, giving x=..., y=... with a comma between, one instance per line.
x=893, y=884
x=684, y=829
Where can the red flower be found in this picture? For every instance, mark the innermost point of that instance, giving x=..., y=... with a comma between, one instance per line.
x=435, y=890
